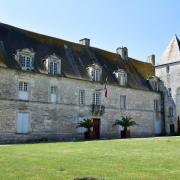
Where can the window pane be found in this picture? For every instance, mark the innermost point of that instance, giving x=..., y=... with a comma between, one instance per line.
x=22, y=61
x=25, y=86
x=28, y=62
x=81, y=97
x=20, y=86
x=55, y=68
x=123, y=102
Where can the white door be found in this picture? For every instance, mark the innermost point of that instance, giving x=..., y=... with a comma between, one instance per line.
x=22, y=122
x=157, y=127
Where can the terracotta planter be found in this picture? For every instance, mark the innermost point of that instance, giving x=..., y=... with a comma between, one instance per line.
x=125, y=134
x=89, y=135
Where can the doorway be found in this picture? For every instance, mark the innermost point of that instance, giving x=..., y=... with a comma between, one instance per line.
x=96, y=128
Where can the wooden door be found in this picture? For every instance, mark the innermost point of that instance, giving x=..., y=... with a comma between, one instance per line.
x=96, y=128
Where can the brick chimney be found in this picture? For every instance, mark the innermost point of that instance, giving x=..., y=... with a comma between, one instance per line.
x=151, y=59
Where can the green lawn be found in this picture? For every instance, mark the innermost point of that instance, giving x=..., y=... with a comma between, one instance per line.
x=151, y=158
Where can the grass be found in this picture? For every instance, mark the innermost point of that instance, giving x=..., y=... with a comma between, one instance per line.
x=151, y=158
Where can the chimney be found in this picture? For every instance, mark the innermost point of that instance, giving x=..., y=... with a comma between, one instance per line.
x=151, y=59
x=85, y=42
x=123, y=52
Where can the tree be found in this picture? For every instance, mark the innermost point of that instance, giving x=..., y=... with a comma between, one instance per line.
x=87, y=124
x=125, y=122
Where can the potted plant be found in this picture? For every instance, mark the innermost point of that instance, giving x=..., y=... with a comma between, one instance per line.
x=125, y=122
x=87, y=124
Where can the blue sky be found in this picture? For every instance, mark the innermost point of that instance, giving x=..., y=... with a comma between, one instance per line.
x=143, y=26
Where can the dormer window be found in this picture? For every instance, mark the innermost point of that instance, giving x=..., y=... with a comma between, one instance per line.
x=121, y=76
x=96, y=75
x=25, y=58
x=25, y=62
x=53, y=65
x=95, y=72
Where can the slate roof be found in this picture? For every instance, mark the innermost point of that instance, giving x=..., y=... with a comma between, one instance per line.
x=75, y=57
x=171, y=53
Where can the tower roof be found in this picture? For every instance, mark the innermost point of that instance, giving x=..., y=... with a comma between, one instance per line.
x=172, y=52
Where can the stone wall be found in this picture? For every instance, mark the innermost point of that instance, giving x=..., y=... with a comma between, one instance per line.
x=59, y=120
x=170, y=80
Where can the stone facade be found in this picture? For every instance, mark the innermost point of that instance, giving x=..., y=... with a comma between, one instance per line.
x=168, y=71
x=48, y=85
x=59, y=120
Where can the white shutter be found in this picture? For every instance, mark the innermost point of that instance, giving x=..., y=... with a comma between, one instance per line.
x=157, y=127
x=23, y=95
x=53, y=98
x=22, y=123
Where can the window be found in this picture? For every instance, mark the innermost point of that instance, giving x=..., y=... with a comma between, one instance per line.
x=96, y=75
x=95, y=72
x=25, y=62
x=22, y=122
x=171, y=113
x=82, y=97
x=53, y=64
x=53, y=94
x=121, y=75
x=25, y=58
x=53, y=68
x=97, y=98
x=167, y=69
x=23, y=90
x=123, y=102
x=156, y=105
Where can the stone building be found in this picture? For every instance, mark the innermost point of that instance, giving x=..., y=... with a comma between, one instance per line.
x=47, y=85
x=168, y=71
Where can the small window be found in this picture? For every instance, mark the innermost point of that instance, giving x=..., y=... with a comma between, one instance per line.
x=167, y=69
x=53, y=64
x=96, y=75
x=121, y=76
x=95, y=72
x=53, y=68
x=82, y=97
x=156, y=105
x=22, y=122
x=53, y=95
x=25, y=62
x=23, y=90
x=172, y=128
x=123, y=102
x=97, y=98
x=171, y=113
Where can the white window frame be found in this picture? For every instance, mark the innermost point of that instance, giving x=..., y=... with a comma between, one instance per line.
x=121, y=75
x=96, y=74
x=81, y=97
x=97, y=98
x=123, y=101
x=23, y=90
x=25, y=61
x=53, y=94
x=53, y=65
x=25, y=58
